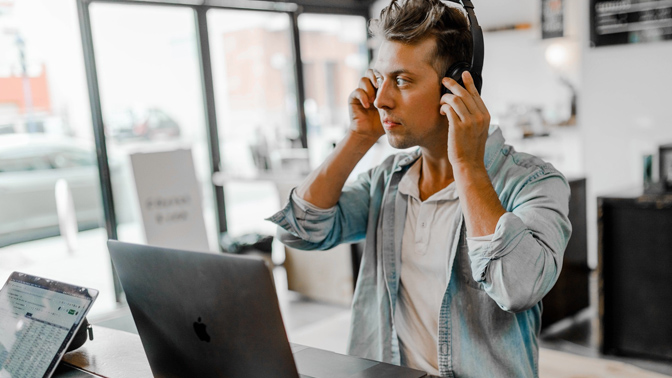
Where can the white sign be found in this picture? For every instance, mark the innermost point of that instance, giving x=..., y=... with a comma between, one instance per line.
x=170, y=200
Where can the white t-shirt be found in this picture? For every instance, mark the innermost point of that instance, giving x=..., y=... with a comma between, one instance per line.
x=426, y=246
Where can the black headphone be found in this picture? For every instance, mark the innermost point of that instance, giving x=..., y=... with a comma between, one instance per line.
x=476, y=66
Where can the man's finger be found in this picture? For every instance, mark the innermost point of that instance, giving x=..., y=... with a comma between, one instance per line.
x=367, y=86
x=448, y=111
x=456, y=103
x=372, y=77
x=470, y=85
x=462, y=93
x=360, y=95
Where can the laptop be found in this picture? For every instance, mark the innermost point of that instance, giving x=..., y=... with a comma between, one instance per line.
x=39, y=317
x=217, y=315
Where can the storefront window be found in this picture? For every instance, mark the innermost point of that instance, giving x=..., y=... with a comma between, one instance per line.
x=151, y=97
x=46, y=142
x=149, y=77
x=255, y=94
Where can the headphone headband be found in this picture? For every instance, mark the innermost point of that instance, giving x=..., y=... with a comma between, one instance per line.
x=477, y=36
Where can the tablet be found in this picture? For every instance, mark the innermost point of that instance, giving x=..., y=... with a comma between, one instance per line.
x=38, y=319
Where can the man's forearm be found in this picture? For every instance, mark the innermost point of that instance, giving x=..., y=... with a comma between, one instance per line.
x=480, y=203
x=323, y=186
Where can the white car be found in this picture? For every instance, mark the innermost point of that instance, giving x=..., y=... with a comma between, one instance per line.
x=30, y=166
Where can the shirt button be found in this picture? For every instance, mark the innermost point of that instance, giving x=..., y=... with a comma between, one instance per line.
x=444, y=348
x=422, y=224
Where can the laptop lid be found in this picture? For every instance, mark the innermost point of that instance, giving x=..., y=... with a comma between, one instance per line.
x=204, y=314
x=38, y=319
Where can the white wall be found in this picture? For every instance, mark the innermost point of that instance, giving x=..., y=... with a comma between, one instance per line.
x=515, y=72
x=624, y=110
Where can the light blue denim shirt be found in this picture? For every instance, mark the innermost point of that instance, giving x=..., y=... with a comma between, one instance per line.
x=490, y=315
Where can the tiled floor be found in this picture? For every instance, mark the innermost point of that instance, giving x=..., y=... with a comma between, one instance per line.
x=577, y=336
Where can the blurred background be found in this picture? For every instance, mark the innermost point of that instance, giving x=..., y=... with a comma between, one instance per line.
x=257, y=92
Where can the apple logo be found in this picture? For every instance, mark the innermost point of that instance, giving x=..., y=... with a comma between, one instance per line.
x=202, y=334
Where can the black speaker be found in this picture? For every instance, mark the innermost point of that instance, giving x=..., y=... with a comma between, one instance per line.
x=635, y=266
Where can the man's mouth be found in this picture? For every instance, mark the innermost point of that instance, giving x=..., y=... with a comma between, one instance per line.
x=389, y=123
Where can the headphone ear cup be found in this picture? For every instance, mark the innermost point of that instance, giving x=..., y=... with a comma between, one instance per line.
x=455, y=73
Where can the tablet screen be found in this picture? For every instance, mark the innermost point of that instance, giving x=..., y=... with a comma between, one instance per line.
x=38, y=318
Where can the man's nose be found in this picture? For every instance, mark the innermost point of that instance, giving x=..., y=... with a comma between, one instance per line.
x=384, y=96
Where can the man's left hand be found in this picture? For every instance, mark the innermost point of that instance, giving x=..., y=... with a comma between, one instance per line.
x=469, y=121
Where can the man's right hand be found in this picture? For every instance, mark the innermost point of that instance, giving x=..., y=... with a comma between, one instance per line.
x=323, y=186
x=364, y=117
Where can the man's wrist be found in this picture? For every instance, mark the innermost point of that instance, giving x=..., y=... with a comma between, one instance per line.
x=469, y=169
x=361, y=140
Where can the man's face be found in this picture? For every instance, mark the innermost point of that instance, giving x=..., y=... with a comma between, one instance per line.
x=408, y=94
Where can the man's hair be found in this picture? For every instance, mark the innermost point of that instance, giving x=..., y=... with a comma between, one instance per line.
x=412, y=21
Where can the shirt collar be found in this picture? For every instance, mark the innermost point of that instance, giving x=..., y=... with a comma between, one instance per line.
x=493, y=146
x=409, y=185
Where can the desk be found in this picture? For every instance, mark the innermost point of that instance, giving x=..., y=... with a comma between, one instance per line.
x=118, y=354
x=111, y=353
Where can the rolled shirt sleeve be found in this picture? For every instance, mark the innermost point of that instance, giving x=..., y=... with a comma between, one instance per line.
x=523, y=259
x=478, y=241
x=302, y=225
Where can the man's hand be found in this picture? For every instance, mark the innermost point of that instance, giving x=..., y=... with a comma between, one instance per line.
x=364, y=117
x=469, y=121
x=323, y=186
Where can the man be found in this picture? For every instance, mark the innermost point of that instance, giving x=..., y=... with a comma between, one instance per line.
x=463, y=237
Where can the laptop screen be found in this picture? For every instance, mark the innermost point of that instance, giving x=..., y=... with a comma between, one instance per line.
x=38, y=318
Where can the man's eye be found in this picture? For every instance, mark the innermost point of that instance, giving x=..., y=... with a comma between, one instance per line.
x=401, y=82
x=379, y=80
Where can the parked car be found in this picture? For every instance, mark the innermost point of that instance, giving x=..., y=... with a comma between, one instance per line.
x=147, y=124
x=30, y=165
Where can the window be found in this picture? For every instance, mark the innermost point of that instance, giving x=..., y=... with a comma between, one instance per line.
x=45, y=137
x=335, y=57
x=148, y=68
x=253, y=71
x=151, y=98
x=255, y=94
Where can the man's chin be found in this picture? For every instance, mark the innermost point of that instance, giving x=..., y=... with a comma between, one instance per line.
x=399, y=142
